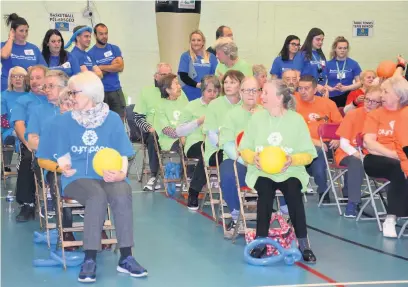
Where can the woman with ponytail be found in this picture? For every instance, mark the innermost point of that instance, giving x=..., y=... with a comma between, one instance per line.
x=16, y=51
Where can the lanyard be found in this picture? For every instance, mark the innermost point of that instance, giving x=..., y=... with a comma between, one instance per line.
x=319, y=61
x=342, y=70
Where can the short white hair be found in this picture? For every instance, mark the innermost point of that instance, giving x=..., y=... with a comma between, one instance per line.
x=228, y=46
x=89, y=84
x=160, y=65
x=400, y=87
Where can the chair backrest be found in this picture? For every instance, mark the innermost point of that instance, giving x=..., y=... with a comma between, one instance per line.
x=360, y=140
x=135, y=134
x=341, y=110
x=328, y=131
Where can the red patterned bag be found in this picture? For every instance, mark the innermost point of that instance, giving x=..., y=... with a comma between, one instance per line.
x=283, y=235
x=5, y=124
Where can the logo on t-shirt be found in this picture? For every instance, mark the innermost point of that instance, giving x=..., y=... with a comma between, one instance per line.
x=390, y=132
x=176, y=116
x=89, y=138
x=275, y=139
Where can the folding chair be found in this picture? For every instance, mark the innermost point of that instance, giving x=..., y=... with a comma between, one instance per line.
x=6, y=174
x=328, y=131
x=64, y=202
x=186, y=162
x=169, y=156
x=376, y=194
x=136, y=137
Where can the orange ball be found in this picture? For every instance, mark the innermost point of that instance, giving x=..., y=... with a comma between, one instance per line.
x=386, y=69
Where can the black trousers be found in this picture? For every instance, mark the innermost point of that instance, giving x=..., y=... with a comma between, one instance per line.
x=389, y=168
x=25, y=188
x=116, y=102
x=340, y=100
x=199, y=179
x=151, y=151
x=292, y=191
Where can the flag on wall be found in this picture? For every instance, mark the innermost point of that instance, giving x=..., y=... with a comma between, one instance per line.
x=65, y=21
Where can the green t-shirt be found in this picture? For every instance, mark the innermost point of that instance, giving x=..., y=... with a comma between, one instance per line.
x=241, y=66
x=235, y=122
x=214, y=120
x=168, y=114
x=289, y=132
x=194, y=110
x=148, y=100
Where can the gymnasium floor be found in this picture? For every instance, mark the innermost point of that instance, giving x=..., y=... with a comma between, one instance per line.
x=182, y=249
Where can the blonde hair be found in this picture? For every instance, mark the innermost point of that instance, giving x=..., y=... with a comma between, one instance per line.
x=89, y=84
x=206, y=55
x=400, y=87
x=258, y=69
x=338, y=40
x=365, y=72
x=17, y=70
x=228, y=46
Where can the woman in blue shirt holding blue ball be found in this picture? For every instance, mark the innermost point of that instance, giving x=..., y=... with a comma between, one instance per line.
x=81, y=133
x=343, y=73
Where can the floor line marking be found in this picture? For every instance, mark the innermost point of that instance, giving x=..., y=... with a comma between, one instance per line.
x=343, y=283
x=299, y=264
x=357, y=244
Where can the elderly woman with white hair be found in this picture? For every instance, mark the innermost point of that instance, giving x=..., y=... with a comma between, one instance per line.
x=89, y=128
x=227, y=54
x=17, y=86
x=279, y=125
x=382, y=160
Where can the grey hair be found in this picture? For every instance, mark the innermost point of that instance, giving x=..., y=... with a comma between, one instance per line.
x=89, y=84
x=228, y=46
x=162, y=64
x=288, y=100
x=400, y=87
x=258, y=69
x=62, y=77
x=210, y=79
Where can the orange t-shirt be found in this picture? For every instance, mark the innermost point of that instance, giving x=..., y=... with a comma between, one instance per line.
x=350, y=127
x=353, y=96
x=401, y=138
x=320, y=111
x=381, y=122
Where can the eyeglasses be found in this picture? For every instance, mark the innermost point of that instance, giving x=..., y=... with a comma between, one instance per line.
x=250, y=91
x=369, y=101
x=51, y=87
x=294, y=44
x=73, y=93
x=17, y=76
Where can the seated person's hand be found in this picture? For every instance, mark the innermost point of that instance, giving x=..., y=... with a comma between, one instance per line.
x=257, y=162
x=113, y=175
x=183, y=140
x=334, y=144
x=67, y=170
x=151, y=130
x=287, y=163
x=200, y=120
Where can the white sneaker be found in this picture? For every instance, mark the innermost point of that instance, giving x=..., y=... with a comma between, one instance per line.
x=150, y=183
x=389, y=227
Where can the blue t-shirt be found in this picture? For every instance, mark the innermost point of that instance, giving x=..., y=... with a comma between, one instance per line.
x=40, y=116
x=21, y=55
x=84, y=59
x=70, y=67
x=279, y=66
x=8, y=101
x=310, y=67
x=82, y=144
x=105, y=56
x=202, y=69
x=46, y=148
x=343, y=72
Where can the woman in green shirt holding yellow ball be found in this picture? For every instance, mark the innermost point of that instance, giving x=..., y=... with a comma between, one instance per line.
x=280, y=126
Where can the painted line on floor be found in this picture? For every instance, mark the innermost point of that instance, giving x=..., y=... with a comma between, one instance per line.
x=358, y=244
x=343, y=283
x=299, y=264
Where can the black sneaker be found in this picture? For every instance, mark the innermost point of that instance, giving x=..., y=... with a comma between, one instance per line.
x=326, y=198
x=192, y=203
x=308, y=256
x=26, y=213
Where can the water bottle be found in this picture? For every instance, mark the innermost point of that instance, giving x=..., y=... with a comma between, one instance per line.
x=10, y=196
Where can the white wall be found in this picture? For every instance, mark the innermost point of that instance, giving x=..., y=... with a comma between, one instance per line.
x=259, y=27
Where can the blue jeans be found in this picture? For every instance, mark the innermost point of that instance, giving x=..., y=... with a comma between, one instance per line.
x=318, y=170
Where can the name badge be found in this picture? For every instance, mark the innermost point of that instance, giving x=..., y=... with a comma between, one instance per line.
x=323, y=63
x=66, y=65
x=341, y=75
x=107, y=54
x=29, y=52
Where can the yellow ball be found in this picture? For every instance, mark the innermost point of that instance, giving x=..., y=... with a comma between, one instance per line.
x=272, y=159
x=107, y=159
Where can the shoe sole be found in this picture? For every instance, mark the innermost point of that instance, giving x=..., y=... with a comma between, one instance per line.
x=350, y=216
x=192, y=208
x=122, y=270
x=87, y=280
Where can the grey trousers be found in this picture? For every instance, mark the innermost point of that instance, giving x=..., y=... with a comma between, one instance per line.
x=95, y=195
x=354, y=178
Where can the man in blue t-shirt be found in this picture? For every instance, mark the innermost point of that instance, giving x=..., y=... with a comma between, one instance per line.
x=82, y=43
x=109, y=59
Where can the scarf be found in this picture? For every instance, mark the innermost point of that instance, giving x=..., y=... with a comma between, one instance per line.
x=92, y=118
